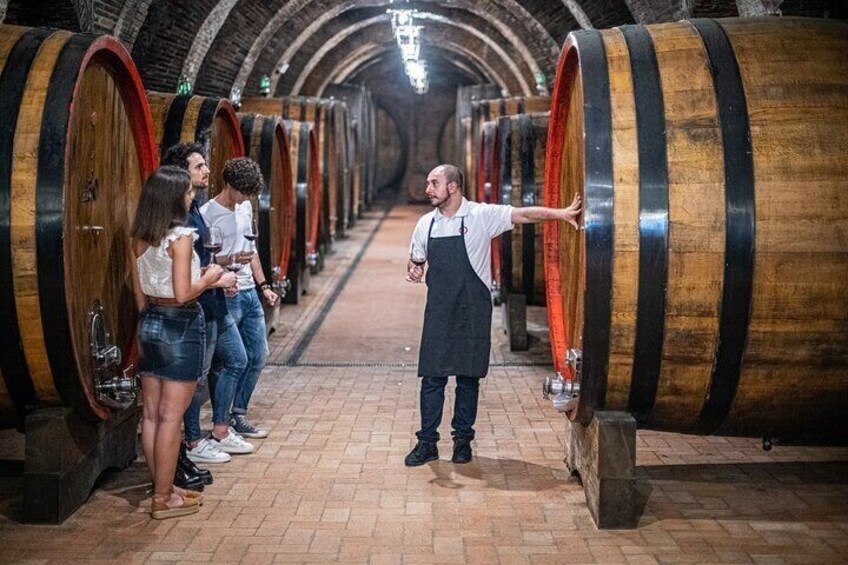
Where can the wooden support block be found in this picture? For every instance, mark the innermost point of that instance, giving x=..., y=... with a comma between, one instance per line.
x=65, y=455
x=515, y=322
x=604, y=455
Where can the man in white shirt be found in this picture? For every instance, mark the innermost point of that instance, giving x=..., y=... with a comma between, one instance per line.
x=232, y=213
x=454, y=241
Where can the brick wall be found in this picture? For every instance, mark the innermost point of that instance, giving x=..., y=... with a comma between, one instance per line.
x=164, y=40
x=230, y=46
x=48, y=13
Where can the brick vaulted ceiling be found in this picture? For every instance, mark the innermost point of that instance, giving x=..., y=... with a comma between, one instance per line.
x=225, y=43
x=219, y=44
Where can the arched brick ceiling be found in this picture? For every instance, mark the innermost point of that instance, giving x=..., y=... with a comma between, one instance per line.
x=342, y=67
x=227, y=42
x=255, y=33
x=164, y=40
x=378, y=29
x=357, y=21
x=529, y=38
x=381, y=70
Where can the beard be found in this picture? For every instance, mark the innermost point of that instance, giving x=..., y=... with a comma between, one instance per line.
x=437, y=203
x=200, y=195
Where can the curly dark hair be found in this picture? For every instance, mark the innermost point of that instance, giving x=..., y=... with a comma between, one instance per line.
x=177, y=155
x=244, y=175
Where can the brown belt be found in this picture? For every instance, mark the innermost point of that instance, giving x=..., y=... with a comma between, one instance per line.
x=169, y=302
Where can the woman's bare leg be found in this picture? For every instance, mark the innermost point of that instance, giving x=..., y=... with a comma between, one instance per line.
x=151, y=389
x=173, y=402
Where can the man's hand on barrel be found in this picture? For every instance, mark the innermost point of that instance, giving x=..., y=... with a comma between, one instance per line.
x=573, y=211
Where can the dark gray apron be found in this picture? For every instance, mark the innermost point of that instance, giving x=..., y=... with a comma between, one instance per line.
x=458, y=317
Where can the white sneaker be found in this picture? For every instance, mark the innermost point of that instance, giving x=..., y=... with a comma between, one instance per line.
x=233, y=443
x=206, y=452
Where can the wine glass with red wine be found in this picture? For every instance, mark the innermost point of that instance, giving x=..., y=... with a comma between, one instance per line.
x=251, y=232
x=213, y=242
x=233, y=265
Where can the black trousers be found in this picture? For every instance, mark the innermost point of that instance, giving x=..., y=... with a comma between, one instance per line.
x=432, y=403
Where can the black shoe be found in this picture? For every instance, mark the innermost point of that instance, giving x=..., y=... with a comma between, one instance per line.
x=191, y=468
x=461, y=451
x=421, y=453
x=187, y=481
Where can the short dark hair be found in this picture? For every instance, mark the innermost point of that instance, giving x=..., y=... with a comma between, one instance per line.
x=452, y=174
x=244, y=175
x=162, y=204
x=177, y=155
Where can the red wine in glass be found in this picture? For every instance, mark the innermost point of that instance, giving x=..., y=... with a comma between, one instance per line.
x=212, y=248
x=214, y=242
x=251, y=232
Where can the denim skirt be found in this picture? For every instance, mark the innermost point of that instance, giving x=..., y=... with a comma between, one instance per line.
x=172, y=340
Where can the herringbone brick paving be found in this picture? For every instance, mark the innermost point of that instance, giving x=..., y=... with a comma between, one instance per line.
x=329, y=484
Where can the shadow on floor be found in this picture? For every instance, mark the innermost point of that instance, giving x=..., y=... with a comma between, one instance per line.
x=132, y=484
x=788, y=492
x=499, y=474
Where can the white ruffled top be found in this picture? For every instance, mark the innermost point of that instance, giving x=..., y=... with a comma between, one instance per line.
x=155, y=265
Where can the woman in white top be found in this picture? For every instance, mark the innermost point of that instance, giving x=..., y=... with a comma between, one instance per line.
x=171, y=328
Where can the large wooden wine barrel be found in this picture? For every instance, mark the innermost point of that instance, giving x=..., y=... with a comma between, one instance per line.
x=708, y=291
x=488, y=191
x=312, y=111
x=362, y=114
x=303, y=147
x=522, y=141
x=331, y=122
x=266, y=143
x=339, y=191
x=392, y=151
x=211, y=122
x=465, y=95
x=75, y=146
x=483, y=111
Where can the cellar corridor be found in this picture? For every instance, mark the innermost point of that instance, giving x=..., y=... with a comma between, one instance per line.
x=339, y=396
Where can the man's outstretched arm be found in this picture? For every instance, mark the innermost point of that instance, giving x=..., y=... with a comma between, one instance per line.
x=532, y=214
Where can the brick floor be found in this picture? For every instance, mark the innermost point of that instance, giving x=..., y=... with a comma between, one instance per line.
x=329, y=485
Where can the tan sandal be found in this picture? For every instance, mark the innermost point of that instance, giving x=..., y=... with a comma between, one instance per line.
x=185, y=493
x=189, y=494
x=159, y=509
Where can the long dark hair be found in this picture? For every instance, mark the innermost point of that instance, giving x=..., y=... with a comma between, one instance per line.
x=162, y=204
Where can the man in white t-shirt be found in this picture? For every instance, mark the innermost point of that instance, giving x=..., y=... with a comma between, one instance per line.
x=455, y=241
x=232, y=213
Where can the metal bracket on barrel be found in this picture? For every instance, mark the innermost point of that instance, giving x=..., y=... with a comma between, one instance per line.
x=114, y=388
x=496, y=293
x=281, y=284
x=565, y=392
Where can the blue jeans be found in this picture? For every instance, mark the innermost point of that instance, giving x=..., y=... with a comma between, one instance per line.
x=191, y=418
x=228, y=366
x=464, y=409
x=246, y=310
x=171, y=342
